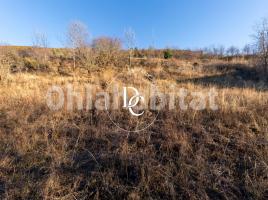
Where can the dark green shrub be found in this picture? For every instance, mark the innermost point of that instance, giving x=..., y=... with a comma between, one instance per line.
x=168, y=54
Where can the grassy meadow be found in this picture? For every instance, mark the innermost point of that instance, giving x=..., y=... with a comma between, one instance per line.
x=188, y=154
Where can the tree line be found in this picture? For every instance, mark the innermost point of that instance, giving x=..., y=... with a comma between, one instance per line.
x=105, y=50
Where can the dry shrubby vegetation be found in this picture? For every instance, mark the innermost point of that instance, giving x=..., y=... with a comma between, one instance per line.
x=81, y=155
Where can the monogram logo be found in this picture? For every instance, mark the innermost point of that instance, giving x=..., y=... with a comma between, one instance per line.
x=133, y=101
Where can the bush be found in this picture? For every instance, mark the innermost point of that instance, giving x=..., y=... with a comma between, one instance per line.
x=106, y=50
x=138, y=53
x=168, y=54
x=30, y=64
x=59, y=53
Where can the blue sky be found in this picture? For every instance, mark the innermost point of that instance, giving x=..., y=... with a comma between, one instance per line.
x=161, y=23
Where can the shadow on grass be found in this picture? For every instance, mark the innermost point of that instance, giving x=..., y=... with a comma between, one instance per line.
x=232, y=76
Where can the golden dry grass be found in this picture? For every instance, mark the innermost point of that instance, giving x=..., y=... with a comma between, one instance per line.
x=184, y=155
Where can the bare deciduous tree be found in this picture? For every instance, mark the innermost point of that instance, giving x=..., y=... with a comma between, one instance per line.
x=221, y=50
x=261, y=38
x=77, y=39
x=247, y=50
x=130, y=41
x=233, y=51
x=106, y=49
x=40, y=42
x=218, y=51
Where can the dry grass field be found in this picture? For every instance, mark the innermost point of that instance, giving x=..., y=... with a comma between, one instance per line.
x=189, y=154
